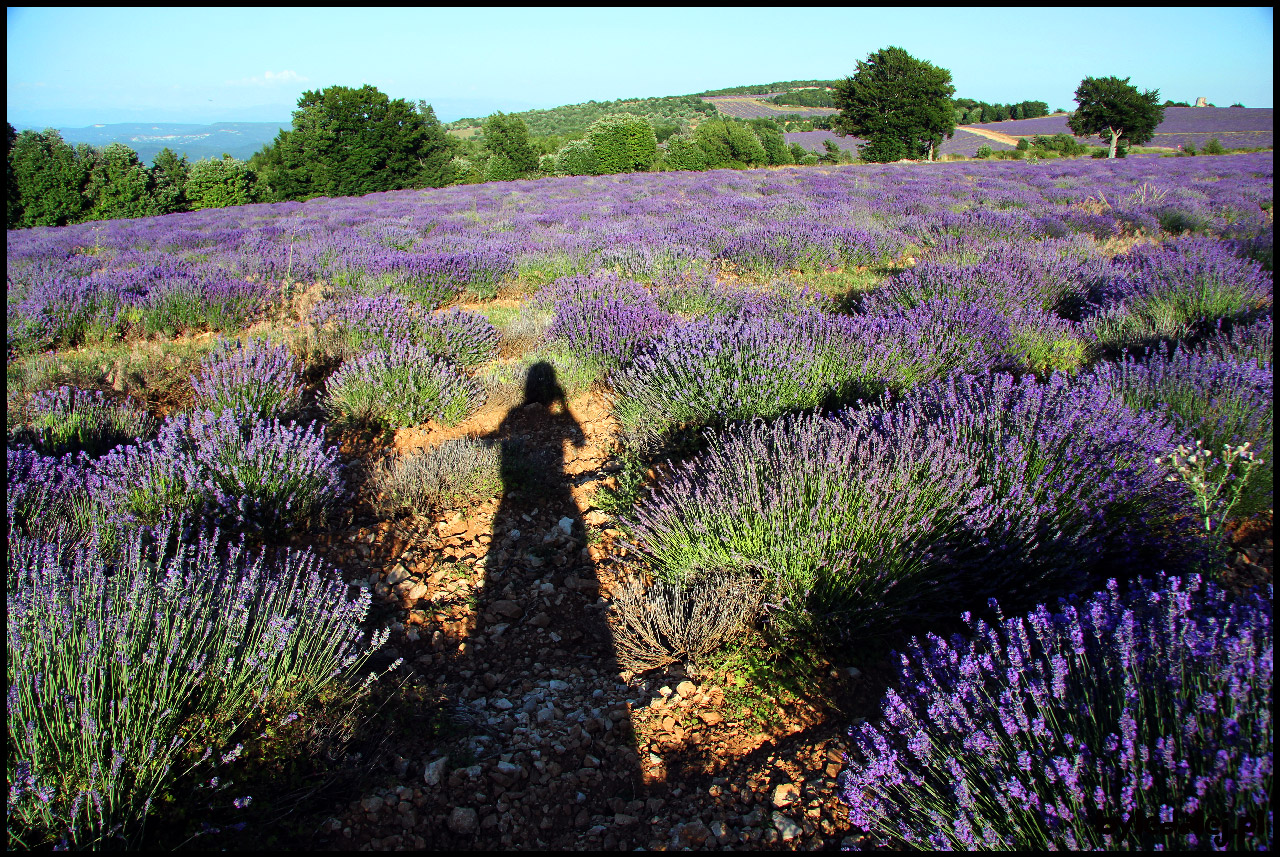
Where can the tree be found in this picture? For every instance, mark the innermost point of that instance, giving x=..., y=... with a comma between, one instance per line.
x=349, y=142
x=507, y=139
x=119, y=185
x=13, y=202
x=169, y=175
x=217, y=183
x=728, y=143
x=623, y=143
x=577, y=158
x=775, y=145
x=894, y=96
x=49, y=179
x=1110, y=104
x=684, y=153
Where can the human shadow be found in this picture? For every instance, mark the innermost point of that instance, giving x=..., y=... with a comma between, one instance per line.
x=541, y=639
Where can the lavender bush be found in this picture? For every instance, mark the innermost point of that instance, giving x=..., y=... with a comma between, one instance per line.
x=65, y=420
x=723, y=369
x=148, y=660
x=465, y=338
x=1214, y=400
x=255, y=379
x=1134, y=722
x=405, y=386
x=426, y=480
x=154, y=481
x=965, y=488
x=47, y=496
x=355, y=324
x=265, y=475
x=1169, y=291
x=608, y=329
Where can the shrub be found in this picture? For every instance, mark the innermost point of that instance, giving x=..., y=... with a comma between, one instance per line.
x=465, y=338
x=984, y=151
x=1023, y=145
x=577, y=158
x=265, y=475
x=152, y=482
x=721, y=369
x=728, y=143
x=255, y=379
x=1216, y=400
x=1136, y=722
x=403, y=386
x=427, y=480
x=623, y=143
x=661, y=624
x=959, y=490
x=68, y=420
x=153, y=657
x=46, y=497
x=684, y=153
x=604, y=317
x=1213, y=147
x=354, y=324
x=1172, y=290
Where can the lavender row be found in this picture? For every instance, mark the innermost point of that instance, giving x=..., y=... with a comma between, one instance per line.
x=961, y=489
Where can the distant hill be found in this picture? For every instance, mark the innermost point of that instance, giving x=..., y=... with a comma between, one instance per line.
x=197, y=142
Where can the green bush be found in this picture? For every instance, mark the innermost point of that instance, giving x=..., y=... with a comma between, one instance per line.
x=984, y=151
x=1213, y=147
x=1023, y=145
x=684, y=153
x=882, y=150
x=623, y=143
x=577, y=158
x=729, y=144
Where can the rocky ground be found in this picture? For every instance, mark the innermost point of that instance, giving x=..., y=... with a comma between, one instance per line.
x=500, y=612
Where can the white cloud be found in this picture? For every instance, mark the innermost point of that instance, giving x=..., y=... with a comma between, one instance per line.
x=270, y=78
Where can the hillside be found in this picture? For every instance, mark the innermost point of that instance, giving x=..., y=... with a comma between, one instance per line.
x=572, y=120
x=1235, y=127
x=238, y=139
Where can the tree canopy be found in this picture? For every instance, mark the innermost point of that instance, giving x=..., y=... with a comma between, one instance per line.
x=901, y=105
x=1112, y=105
x=349, y=142
x=511, y=155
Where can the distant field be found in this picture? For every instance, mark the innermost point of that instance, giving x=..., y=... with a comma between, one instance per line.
x=1234, y=127
x=754, y=107
x=964, y=142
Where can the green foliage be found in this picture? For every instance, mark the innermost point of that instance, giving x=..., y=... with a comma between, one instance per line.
x=1023, y=145
x=895, y=97
x=1064, y=144
x=577, y=158
x=882, y=149
x=623, y=143
x=1213, y=147
x=507, y=139
x=350, y=142
x=798, y=152
x=572, y=121
x=13, y=202
x=220, y=183
x=775, y=145
x=119, y=185
x=1111, y=105
x=1168, y=103
x=765, y=88
x=499, y=168
x=169, y=176
x=984, y=151
x=684, y=153
x=728, y=143
x=49, y=179
x=970, y=111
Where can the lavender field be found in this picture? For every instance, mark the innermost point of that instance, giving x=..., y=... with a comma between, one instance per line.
x=755, y=107
x=1235, y=127
x=963, y=143
x=958, y=475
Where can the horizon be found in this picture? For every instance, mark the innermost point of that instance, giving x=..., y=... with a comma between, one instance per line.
x=83, y=67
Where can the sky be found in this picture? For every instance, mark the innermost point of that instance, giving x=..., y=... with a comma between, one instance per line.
x=76, y=67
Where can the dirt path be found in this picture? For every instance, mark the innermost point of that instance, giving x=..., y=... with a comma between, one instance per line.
x=500, y=612
x=998, y=136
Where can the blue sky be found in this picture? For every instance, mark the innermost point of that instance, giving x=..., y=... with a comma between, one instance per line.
x=75, y=67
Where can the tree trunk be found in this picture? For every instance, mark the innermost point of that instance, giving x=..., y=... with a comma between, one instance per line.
x=930, y=150
x=1115, y=140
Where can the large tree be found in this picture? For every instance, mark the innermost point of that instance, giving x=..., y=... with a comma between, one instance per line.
x=169, y=173
x=510, y=154
x=899, y=104
x=119, y=185
x=349, y=142
x=50, y=179
x=218, y=183
x=1111, y=105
